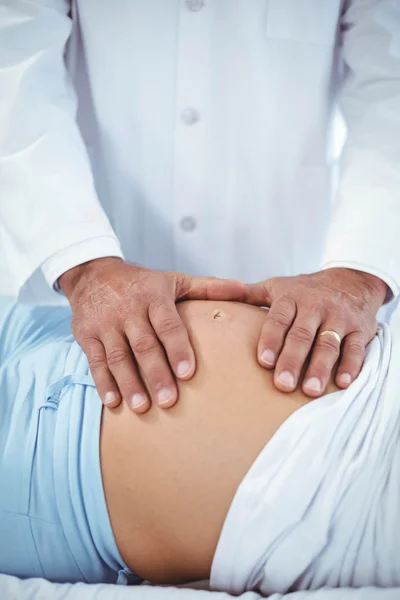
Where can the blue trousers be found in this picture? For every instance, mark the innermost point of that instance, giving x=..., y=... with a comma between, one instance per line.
x=53, y=515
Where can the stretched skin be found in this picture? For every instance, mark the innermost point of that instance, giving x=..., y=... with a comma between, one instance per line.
x=170, y=475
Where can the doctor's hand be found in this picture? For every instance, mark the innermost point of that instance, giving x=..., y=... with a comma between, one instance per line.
x=322, y=316
x=125, y=320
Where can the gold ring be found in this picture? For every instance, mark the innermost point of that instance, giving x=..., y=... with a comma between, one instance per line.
x=335, y=335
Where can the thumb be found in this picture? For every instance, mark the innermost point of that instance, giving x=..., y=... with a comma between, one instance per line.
x=209, y=288
x=259, y=293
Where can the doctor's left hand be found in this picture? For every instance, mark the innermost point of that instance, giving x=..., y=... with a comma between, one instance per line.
x=327, y=315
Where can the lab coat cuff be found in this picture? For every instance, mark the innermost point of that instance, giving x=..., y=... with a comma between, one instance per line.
x=393, y=287
x=77, y=254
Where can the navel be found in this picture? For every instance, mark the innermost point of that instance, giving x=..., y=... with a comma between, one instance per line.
x=219, y=315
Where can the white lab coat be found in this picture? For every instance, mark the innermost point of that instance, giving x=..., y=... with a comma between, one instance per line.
x=198, y=136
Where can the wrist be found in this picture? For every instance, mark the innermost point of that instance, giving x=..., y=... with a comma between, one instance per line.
x=380, y=286
x=376, y=285
x=69, y=280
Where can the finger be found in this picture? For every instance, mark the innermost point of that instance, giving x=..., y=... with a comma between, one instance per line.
x=153, y=362
x=353, y=354
x=122, y=365
x=209, y=288
x=298, y=343
x=173, y=334
x=324, y=356
x=278, y=320
x=259, y=294
x=106, y=385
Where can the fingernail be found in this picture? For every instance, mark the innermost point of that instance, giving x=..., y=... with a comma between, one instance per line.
x=268, y=357
x=183, y=368
x=286, y=379
x=313, y=384
x=164, y=396
x=345, y=378
x=110, y=398
x=137, y=400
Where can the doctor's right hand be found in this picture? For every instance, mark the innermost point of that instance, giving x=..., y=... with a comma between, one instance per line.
x=124, y=318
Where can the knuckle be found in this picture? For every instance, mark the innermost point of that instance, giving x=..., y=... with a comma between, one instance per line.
x=182, y=283
x=116, y=356
x=169, y=325
x=96, y=362
x=287, y=304
x=300, y=333
x=326, y=343
x=281, y=319
x=355, y=349
x=144, y=343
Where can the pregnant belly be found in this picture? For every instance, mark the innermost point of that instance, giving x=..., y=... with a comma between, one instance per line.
x=170, y=475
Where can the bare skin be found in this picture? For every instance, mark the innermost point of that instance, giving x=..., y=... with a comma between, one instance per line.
x=170, y=476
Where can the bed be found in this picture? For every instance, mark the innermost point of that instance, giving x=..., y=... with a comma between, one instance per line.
x=12, y=588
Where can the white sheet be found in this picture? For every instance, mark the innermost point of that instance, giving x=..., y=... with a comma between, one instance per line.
x=320, y=506
x=12, y=588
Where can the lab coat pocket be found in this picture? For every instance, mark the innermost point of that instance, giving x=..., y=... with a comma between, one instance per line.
x=307, y=21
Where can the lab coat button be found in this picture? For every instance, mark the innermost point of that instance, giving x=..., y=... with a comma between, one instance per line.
x=188, y=224
x=194, y=5
x=190, y=115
